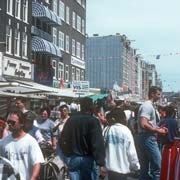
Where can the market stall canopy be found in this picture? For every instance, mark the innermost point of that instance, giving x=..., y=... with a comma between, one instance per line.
x=95, y=97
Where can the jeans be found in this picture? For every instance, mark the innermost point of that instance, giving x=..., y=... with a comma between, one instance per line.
x=81, y=167
x=149, y=156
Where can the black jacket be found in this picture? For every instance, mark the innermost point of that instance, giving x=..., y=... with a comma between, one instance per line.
x=82, y=135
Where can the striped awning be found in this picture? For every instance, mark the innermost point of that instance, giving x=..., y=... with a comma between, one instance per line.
x=48, y=16
x=46, y=47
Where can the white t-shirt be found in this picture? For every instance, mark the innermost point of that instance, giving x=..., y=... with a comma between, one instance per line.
x=23, y=153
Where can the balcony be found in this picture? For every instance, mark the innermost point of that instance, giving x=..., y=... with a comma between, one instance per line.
x=40, y=33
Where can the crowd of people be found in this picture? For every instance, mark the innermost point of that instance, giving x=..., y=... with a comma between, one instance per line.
x=111, y=139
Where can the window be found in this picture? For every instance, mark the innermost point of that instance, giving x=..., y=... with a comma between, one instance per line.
x=77, y=74
x=83, y=26
x=61, y=71
x=67, y=43
x=16, y=42
x=67, y=73
x=82, y=75
x=78, y=49
x=8, y=39
x=74, y=20
x=61, y=40
x=54, y=68
x=79, y=23
x=83, y=3
x=67, y=14
x=55, y=6
x=61, y=10
x=9, y=6
x=25, y=10
x=79, y=1
x=55, y=36
x=73, y=47
x=73, y=74
x=17, y=8
x=24, y=44
x=82, y=52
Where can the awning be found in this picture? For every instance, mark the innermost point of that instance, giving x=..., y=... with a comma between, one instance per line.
x=95, y=97
x=42, y=45
x=48, y=16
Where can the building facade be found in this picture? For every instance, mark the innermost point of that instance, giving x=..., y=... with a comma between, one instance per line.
x=109, y=60
x=15, y=28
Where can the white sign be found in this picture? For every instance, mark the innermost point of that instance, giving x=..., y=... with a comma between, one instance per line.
x=77, y=62
x=80, y=87
x=16, y=68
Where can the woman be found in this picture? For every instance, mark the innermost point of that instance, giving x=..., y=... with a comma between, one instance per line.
x=121, y=156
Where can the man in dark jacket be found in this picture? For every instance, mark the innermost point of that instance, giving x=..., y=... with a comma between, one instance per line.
x=82, y=143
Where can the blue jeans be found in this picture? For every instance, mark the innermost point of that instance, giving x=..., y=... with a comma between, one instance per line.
x=81, y=167
x=149, y=156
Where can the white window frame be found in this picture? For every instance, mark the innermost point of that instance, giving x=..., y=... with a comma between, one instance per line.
x=55, y=4
x=61, y=10
x=24, y=44
x=78, y=49
x=25, y=10
x=16, y=42
x=61, y=40
x=83, y=3
x=82, y=52
x=73, y=47
x=79, y=1
x=67, y=15
x=9, y=6
x=54, y=64
x=60, y=71
x=74, y=20
x=55, y=36
x=17, y=8
x=82, y=75
x=73, y=73
x=67, y=73
x=78, y=76
x=67, y=43
x=83, y=27
x=8, y=39
x=78, y=23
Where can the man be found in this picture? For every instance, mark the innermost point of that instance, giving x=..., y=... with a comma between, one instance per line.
x=149, y=154
x=20, y=148
x=82, y=143
x=21, y=104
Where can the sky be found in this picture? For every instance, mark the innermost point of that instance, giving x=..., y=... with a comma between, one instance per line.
x=153, y=26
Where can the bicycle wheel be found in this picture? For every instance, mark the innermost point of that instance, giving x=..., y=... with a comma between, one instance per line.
x=49, y=171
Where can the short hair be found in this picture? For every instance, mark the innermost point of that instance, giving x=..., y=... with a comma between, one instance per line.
x=153, y=90
x=45, y=109
x=22, y=99
x=63, y=106
x=19, y=114
x=170, y=111
x=86, y=104
x=117, y=115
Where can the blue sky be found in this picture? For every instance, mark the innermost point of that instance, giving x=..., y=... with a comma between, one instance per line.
x=154, y=25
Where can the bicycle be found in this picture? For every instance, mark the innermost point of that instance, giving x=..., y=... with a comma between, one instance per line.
x=49, y=169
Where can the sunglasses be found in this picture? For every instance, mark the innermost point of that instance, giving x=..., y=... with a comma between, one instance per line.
x=11, y=122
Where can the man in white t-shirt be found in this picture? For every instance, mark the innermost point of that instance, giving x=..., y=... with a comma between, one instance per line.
x=20, y=148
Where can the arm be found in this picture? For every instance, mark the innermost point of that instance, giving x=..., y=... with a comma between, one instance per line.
x=35, y=172
x=145, y=125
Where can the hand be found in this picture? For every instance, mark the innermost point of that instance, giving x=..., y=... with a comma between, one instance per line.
x=162, y=130
x=103, y=172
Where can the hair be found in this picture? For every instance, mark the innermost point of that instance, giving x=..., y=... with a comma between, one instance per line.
x=63, y=106
x=170, y=111
x=45, y=109
x=2, y=122
x=116, y=115
x=19, y=114
x=22, y=99
x=153, y=90
x=86, y=104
